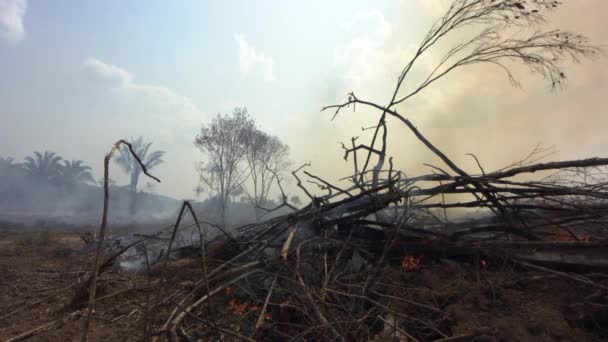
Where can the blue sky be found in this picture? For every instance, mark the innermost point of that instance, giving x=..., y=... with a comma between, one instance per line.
x=78, y=75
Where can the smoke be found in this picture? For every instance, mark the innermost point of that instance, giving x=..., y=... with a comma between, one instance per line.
x=44, y=205
x=474, y=110
x=51, y=202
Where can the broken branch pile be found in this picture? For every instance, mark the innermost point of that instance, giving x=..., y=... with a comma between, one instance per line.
x=326, y=271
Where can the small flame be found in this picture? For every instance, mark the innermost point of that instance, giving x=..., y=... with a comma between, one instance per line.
x=240, y=308
x=410, y=263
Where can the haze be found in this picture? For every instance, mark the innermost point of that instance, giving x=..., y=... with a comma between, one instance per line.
x=79, y=75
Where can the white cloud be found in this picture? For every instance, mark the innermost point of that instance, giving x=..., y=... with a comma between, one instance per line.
x=376, y=52
x=11, y=19
x=370, y=59
x=172, y=116
x=157, y=112
x=112, y=74
x=252, y=61
x=121, y=80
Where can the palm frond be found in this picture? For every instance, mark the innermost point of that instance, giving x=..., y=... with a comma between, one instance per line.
x=86, y=177
x=124, y=160
x=143, y=151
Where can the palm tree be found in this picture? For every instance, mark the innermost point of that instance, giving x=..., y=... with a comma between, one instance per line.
x=74, y=172
x=100, y=182
x=128, y=163
x=8, y=166
x=44, y=167
x=11, y=181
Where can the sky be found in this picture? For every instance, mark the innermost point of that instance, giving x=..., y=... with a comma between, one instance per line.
x=78, y=75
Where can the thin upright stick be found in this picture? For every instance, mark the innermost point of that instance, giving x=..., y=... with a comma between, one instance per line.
x=102, y=229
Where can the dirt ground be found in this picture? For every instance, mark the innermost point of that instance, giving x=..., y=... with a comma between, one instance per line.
x=497, y=303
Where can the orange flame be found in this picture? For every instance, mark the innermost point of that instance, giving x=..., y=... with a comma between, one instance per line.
x=410, y=263
x=240, y=308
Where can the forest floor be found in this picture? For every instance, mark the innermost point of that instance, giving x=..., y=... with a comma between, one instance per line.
x=493, y=302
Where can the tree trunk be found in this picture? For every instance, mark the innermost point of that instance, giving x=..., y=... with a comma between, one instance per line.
x=224, y=210
x=258, y=214
x=133, y=190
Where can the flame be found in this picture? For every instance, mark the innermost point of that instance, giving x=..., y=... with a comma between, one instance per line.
x=240, y=308
x=411, y=263
x=484, y=263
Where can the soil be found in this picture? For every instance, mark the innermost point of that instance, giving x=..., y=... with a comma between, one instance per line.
x=495, y=302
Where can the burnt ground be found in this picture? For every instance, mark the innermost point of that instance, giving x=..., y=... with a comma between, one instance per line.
x=495, y=302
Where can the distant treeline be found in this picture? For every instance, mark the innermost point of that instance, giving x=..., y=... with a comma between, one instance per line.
x=46, y=189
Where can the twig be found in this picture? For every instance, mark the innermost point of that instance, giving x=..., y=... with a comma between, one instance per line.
x=260, y=320
x=401, y=331
x=26, y=335
x=580, y=279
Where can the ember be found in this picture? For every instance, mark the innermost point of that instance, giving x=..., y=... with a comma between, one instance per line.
x=411, y=263
x=238, y=308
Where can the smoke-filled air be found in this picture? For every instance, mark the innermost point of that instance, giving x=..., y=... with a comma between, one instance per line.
x=399, y=170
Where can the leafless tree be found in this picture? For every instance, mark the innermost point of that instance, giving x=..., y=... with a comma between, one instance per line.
x=266, y=158
x=224, y=142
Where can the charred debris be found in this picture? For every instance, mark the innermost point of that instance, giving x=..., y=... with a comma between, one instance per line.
x=329, y=270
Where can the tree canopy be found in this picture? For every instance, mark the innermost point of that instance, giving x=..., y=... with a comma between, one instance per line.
x=240, y=158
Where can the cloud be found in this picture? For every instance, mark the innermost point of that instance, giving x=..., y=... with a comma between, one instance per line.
x=435, y=8
x=252, y=61
x=112, y=74
x=372, y=21
x=155, y=111
x=11, y=20
x=369, y=60
x=359, y=57
x=165, y=101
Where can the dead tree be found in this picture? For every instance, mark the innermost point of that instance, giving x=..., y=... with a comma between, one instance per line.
x=266, y=158
x=224, y=142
